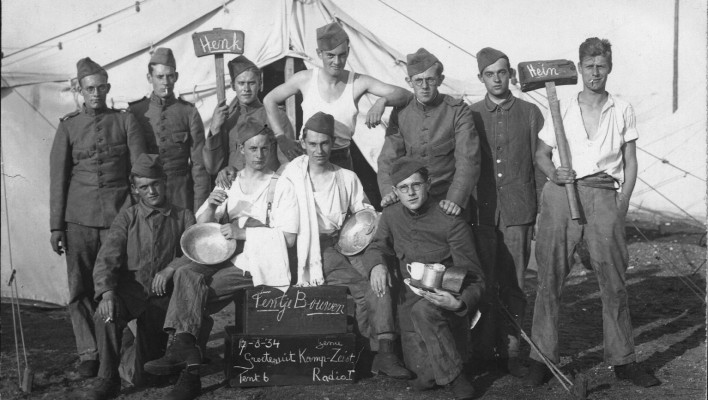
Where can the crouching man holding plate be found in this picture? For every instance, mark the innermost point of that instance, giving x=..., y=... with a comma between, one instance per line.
x=433, y=323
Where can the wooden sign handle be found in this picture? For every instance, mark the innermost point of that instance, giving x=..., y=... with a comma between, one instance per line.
x=563, y=149
x=220, y=84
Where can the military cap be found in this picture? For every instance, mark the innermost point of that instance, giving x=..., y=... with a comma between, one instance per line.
x=164, y=56
x=148, y=166
x=403, y=168
x=322, y=123
x=240, y=64
x=330, y=36
x=488, y=56
x=250, y=127
x=86, y=67
x=420, y=61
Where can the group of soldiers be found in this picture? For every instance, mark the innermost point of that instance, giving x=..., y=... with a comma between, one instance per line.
x=460, y=186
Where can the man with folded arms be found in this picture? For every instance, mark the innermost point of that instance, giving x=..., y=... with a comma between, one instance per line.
x=433, y=324
x=133, y=273
x=326, y=193
x=258, y=208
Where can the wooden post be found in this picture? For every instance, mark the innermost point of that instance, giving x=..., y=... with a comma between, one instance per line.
x=290, y=102
x=217, y=42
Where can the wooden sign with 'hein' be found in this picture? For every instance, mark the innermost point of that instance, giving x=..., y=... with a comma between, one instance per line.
x=217, y=41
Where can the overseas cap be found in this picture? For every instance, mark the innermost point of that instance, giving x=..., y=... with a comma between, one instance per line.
x=322, y=123
x=164, y=56
x=403, y=168
x=488, y=56
x=148, y=166
x=419, y=61
x=251, y=127
x=86, y=67
x=330, y=36
x=240, y=64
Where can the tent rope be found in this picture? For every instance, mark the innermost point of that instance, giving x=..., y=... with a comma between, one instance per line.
x=670, y=201
x=667, y=162
x=695, y=289
x=135, y=6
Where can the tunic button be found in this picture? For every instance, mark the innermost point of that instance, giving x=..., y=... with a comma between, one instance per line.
x=499, y=175
x=498, y=161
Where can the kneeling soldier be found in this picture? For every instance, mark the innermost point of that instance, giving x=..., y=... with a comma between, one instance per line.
x=133, y=273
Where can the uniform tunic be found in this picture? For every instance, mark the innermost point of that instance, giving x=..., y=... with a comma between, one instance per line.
x=141, y=242
x=89, y=166
x=221, y=148
x=443, y=137
x=432, y=337
x=174, y=130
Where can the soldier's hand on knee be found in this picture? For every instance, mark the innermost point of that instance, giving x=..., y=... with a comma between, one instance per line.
x=380, y=280
x=106, y=308
x=159, y=282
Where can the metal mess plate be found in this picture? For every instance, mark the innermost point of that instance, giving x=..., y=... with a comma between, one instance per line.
x=358, y=231
x=204, y=244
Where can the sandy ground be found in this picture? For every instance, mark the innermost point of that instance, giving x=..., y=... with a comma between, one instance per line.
x=668, y=319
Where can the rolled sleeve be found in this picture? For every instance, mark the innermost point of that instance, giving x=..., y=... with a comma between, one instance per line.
x=630, y=125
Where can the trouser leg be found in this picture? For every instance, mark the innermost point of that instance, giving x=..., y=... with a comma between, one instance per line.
x=109, y=336
x=83, y=244
x=513, y=252
x=485, y=333
x=605, y=237
x=200, y=290
x=555, y=243
x=153, y=339
x=433, y=326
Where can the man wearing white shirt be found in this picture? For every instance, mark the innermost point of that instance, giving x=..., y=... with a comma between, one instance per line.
x=601, y=132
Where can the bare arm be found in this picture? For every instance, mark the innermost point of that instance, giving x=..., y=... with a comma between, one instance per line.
x=389, y=95
x=560, y=175
x=291, y=87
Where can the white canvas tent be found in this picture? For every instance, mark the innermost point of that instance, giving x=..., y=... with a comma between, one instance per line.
x=36, y=88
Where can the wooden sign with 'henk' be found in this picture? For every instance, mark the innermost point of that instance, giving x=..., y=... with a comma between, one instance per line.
x=299, y=311
x=218, y=41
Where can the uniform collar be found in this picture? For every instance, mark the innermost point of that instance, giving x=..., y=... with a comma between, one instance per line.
x=146, y=210
x=424, y=107
x=162, y=102
x=504, y=105
x=93, y=112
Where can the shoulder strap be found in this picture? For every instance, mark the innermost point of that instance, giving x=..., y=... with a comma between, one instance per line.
x=271, y=196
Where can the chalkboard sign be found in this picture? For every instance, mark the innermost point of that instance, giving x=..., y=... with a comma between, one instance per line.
x=534, y=75
x=260, y=360
x=217, y=41
x=299, y=311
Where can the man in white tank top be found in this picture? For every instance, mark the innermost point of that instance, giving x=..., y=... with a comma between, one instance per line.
x=332, y=90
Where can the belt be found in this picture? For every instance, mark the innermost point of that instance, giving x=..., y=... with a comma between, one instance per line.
x=600, y=180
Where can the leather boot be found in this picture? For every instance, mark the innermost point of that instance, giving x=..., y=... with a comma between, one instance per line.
x=633, y=373
x=182, y=352
x=538, y=374
x=386, y=362
x=103, y=389
x=188, y=386
x=462, y=388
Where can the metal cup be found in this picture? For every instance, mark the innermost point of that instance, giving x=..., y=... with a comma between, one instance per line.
x=416, y=270
x=433, y=275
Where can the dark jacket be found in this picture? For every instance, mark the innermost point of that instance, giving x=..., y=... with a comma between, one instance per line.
x=443, y=137
x=507, y=183
x=174, y=130
x=89, y=166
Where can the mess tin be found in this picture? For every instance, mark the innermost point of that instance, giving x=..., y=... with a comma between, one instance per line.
x=433, y=275
x=204, y=244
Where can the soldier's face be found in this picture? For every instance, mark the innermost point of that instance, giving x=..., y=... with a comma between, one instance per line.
x=318, y=146
x=256, y=152
x=594, y=71
x=151, y=191
x=425, y=85
x=246, y=86
x=163, y=79
x=413, y=191
x=334, y=61
x=496, y=78
x=94, y=89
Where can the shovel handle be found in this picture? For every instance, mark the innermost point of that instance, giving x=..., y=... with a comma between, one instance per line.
x=563, y=149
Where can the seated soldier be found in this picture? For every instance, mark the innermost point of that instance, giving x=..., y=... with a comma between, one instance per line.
x=133, y=272
x=325, y=194
x=260, y=209
x=416, y=230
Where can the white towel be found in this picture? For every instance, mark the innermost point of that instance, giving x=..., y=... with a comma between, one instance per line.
x=309, y=258
x=265, y=256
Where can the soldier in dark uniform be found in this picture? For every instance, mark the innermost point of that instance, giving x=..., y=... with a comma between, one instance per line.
x=436, y=130
x=221, y=148
x=89, y=167
x=174, y=130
